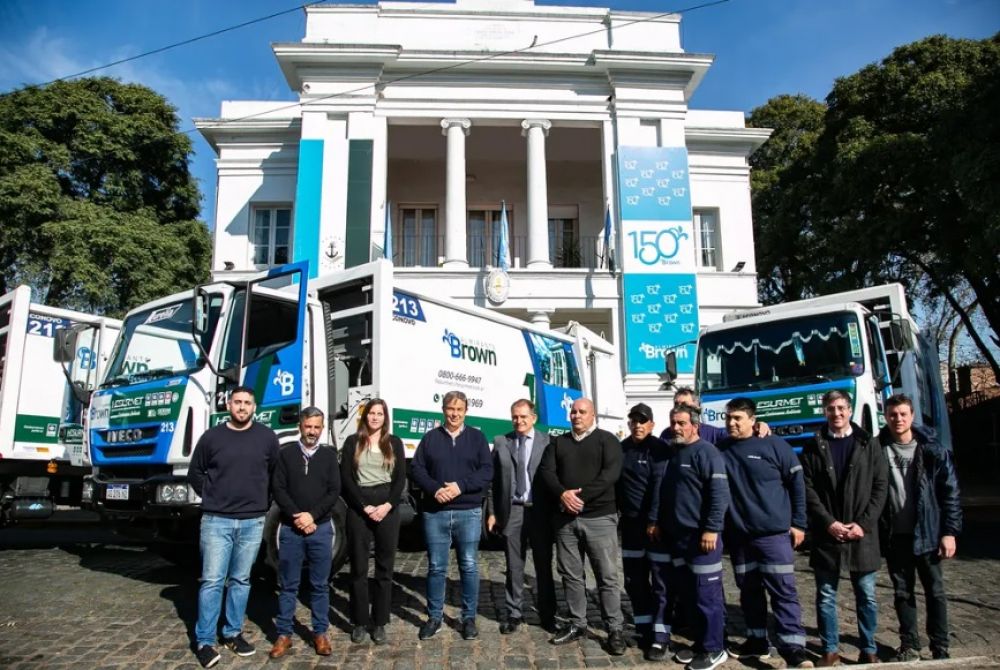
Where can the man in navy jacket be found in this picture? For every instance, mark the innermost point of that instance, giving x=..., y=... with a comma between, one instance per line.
x=919, y=525
x=454, y=468
x=768, y=504
x=695, y=494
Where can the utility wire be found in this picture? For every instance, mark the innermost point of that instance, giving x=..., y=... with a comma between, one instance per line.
x=162, y=49
x=500, y=54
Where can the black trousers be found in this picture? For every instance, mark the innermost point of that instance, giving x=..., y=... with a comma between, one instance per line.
x=904, y=567
x=360, y=531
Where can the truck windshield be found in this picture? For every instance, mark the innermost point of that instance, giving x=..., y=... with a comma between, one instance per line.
x=803, y=350
x=158, y=343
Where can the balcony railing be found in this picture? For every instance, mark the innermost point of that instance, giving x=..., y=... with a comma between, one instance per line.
x=424, y=251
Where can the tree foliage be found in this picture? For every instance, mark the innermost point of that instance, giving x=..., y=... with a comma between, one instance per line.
x=894, y=179
x=97, y=204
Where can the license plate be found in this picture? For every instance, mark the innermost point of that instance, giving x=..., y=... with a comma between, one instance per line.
x=116, y=492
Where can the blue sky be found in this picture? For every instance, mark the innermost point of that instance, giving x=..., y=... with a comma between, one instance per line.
x=762, y=47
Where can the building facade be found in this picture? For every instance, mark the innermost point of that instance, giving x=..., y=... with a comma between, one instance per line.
x=439, y=121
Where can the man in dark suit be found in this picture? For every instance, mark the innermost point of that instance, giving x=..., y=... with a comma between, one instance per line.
x=520, y=512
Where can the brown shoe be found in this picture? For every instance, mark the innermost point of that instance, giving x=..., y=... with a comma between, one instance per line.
x=829, y=660
x=281, y=646
x=322, y=644
x=868, y=657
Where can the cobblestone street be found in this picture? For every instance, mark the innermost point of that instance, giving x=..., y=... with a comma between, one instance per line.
x=74, y=596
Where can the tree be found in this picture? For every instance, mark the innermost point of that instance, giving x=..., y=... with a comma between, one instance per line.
x=97, y=203
x=900, y=184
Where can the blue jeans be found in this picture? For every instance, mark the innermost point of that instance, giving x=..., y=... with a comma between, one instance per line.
x=863, y=584
x=317, y=549
x=228, y=551
x=463, y=527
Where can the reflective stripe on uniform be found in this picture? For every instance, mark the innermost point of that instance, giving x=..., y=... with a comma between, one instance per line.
x=794, y=469
x=661, y=628
x=757, y=632
x=678, y=562
x=633, y=553
x=743, y=568
x=658, y=557
x=642, y=618
x=709, y=569
x=776, y=569
x=720, y=476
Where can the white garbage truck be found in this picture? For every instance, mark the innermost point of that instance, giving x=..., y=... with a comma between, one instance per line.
x=333, y=342
x=44, y=389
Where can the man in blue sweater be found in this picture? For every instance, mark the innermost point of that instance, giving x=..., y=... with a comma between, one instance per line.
x=768, y=503
x=694, y=497
x=230, y=469
x=453, y=467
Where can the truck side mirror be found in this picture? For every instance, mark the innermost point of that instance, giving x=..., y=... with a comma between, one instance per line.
x=669, y=373
x=199, y=324
x=900, y=335
x=64, y=345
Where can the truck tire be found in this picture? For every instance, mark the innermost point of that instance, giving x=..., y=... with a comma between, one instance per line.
x=272, y=523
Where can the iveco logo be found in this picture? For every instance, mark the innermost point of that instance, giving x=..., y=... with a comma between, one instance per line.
x=124, y=435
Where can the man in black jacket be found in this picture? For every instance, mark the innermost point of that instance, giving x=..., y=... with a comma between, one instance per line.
x=581, y=469
x=230, y=469
x=306, y=486
x=846, y=484
x=645, y=557
x=519, y=509
x=919, y=525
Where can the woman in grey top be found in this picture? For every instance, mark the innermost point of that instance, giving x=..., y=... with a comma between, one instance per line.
x=373, y=476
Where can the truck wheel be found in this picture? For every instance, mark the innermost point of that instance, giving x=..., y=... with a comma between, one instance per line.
x=339, y=538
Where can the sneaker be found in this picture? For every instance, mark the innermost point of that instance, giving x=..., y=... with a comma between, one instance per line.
x=753, y=647
x=683, y=655
x=429, y=629
x=940, y=654
x=906, y=654
x=799, y=658
x=469, y=630
x=708, y=660
x=616, y=643
x=571, y=634
x=238, y=645
x=358, y=634
x=378, y=635
x=207, y=656
x=656, y=652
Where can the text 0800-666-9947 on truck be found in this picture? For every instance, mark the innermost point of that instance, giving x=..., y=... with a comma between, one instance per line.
x=332, y=342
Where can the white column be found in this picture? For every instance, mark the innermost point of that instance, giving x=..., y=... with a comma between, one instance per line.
x=541, y=318
x=538, y=200
x=454, y=211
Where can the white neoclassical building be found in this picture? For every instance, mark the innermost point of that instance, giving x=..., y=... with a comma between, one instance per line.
x=439, y=118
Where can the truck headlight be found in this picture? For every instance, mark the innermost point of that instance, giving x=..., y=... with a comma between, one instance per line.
x=87, y=494
x=179, y=494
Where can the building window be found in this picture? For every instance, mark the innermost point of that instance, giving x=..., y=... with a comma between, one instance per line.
x=706, y=228
x=483, y=239
x=272, y=235
x=564, y=244
x=415, y=243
